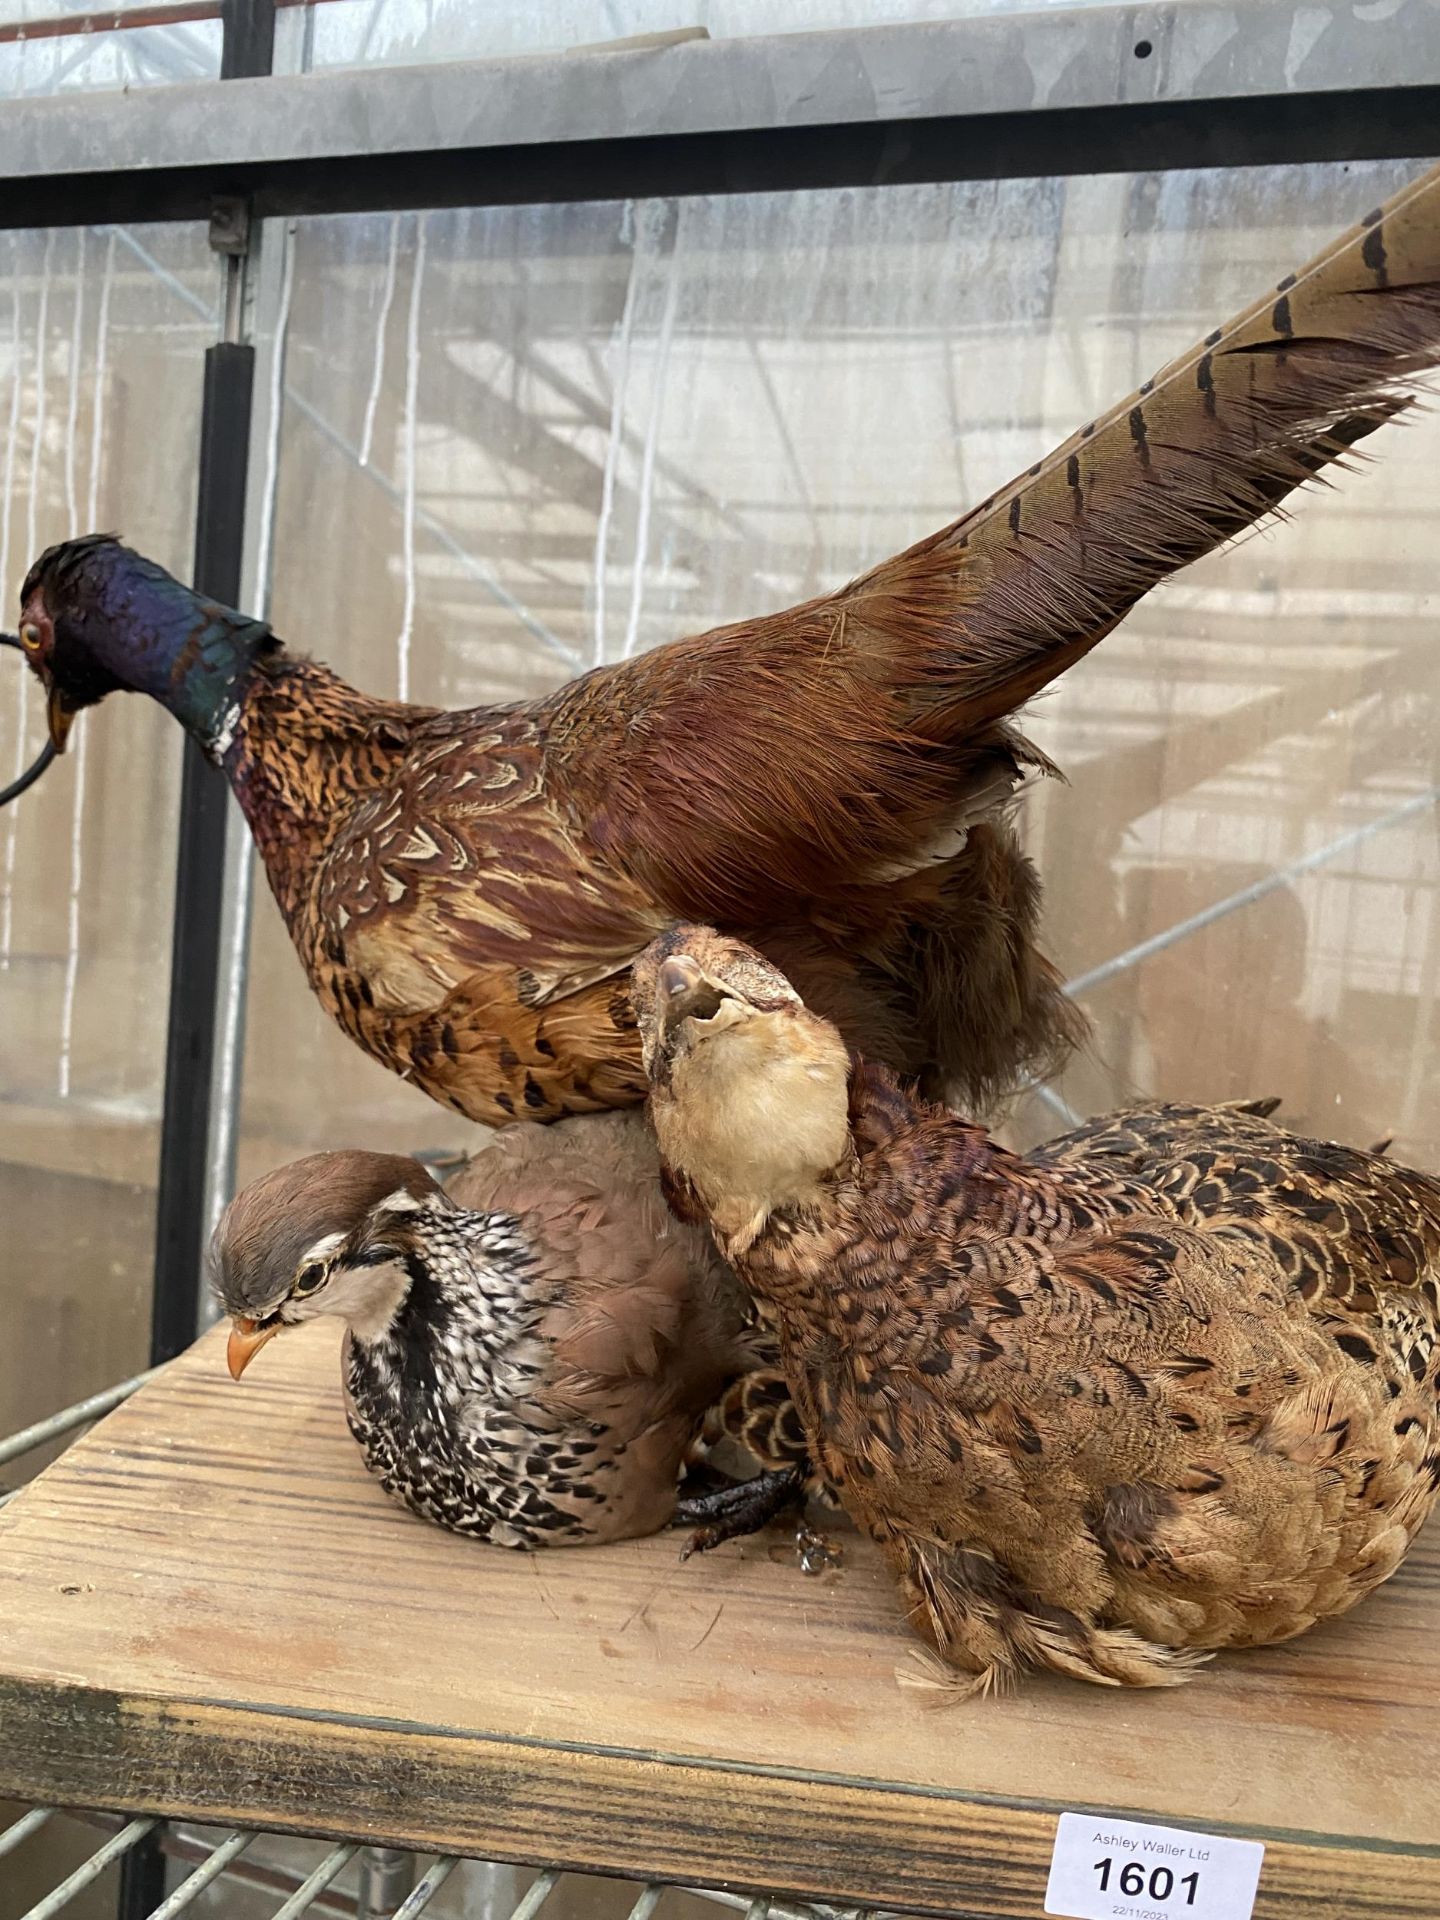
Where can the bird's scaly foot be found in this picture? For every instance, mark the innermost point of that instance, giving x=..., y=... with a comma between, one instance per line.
x=739, y=1508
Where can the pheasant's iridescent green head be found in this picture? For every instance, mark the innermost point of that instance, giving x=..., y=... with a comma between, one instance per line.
x=96, y=618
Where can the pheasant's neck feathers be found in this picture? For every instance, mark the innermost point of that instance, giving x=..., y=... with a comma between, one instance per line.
x=294, y=739
x=904, y=1150
x=305, y=739
x=218, y=658
x=304, y=745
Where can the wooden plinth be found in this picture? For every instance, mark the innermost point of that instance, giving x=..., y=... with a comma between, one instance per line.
x=208, y=1609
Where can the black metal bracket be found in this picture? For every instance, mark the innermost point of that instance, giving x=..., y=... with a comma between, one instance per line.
x=1373, y=123
x=230, y=227
x=37, y=766
x=199, y=879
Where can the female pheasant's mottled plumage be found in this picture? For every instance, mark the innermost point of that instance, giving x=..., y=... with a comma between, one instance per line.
x=1169, y=1385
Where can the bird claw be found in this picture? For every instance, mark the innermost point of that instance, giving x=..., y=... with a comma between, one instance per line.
x=739, y=1508
x=702, y=1540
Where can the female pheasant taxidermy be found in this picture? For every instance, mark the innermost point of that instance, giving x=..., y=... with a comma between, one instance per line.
x=532, y=1357
x=467, y=890
x=1168, y=1386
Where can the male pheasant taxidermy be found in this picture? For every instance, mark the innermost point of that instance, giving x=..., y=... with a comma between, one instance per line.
x=1166, y=1386
x=531, y=1357
x=467, y=890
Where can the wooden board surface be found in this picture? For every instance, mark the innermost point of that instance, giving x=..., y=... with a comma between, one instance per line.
x=207, y=1608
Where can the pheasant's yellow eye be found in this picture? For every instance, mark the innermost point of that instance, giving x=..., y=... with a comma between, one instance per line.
x=308, y=1279
x=30, y=637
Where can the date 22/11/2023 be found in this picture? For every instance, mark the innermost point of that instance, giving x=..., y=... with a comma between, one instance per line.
x=1128, y=1870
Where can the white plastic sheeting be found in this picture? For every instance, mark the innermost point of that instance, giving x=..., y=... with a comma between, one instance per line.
x=102, y=334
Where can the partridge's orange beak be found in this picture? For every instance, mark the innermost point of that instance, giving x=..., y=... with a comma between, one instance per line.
x=61, y=718
x=246, y=1340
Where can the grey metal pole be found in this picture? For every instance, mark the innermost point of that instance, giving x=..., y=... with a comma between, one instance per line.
x=386, y=1876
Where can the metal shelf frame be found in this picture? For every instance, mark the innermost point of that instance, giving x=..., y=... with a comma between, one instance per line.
x=391, y=1886
x=1061, y=91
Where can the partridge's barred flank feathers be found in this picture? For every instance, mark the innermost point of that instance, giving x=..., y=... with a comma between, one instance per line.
x=590, y=1200
x=1169, y=1385
x=532, y=1367
x=466, y=890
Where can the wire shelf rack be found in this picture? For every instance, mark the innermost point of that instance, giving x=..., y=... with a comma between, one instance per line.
x=380, y=1883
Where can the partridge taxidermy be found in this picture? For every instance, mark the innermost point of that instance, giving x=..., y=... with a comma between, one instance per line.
x=1166, y=1387
x=467, y=890
x=535, y=1366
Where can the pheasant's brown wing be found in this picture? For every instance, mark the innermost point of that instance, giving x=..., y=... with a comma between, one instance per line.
x=1344, y=1225
x=463, y=865
x=461, y=935
x=1137, y=1140
x=855, y=735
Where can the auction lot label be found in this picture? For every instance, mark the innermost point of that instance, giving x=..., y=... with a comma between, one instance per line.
x=1122, y=1870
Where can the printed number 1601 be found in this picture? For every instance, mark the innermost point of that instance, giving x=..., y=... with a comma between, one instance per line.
x=1132, y=1879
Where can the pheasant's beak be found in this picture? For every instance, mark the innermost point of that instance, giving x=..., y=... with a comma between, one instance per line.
x=246, y=1340
x=61, y=718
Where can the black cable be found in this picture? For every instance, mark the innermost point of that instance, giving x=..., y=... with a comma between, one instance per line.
x=47, y=753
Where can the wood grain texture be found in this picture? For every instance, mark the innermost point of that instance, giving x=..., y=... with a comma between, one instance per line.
x=209, y=1610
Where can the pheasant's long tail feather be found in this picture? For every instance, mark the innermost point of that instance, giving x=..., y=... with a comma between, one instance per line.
x=1216, y=440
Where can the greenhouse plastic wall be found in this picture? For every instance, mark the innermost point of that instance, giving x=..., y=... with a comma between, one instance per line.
x=34, y=59
x=347, y=33
x=99, y=407
x=101, y=338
